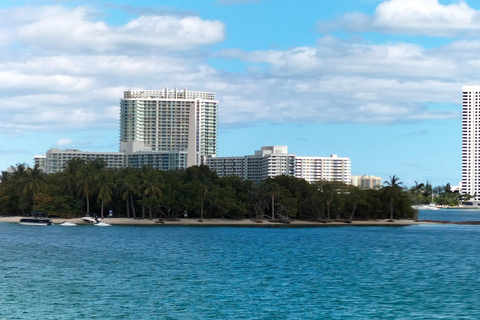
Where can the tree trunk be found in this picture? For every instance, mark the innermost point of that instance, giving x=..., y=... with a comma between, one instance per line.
x=143, y=211
x=150, y=212
x=328, y=209
x=273, y=207
x=201, y=209
x=101, y=211
x=391, y=209
x=128, y=208
x=133, y=207
x=353, y=210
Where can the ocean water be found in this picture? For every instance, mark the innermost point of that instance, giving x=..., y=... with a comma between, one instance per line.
x=167, y=272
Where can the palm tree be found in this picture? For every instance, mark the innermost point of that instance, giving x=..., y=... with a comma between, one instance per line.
x=327, y=190
x=151, y=186
x=270, y=189
x=355, y=195
x=129, y=186
x=417, y=190
x=105, y=187
x=260, y=202
x=17, y=179
x=86, y=183
x=34, y=182
x=393, y=188
x=69, y=176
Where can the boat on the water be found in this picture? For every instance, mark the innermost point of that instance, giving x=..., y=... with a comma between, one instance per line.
x=68, y=224
x=91, y=217
x=36, y=222
x=430, y=206
x=102, y=224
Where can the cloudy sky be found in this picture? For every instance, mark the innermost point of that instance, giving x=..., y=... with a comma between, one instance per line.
x=377, y=81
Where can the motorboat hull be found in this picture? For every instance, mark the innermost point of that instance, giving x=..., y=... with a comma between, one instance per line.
x=36, y=222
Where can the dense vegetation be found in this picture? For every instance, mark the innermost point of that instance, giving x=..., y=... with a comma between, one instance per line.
x=441, y=195
x=147, y=193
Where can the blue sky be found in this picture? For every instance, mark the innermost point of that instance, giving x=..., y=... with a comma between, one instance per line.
x=377, y=81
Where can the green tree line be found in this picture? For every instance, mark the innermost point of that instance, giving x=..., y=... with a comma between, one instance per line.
x=424, y=193
x=147, y=193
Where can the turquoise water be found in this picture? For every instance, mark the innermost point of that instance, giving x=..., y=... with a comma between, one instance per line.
x=451, y=214
x=415, y=272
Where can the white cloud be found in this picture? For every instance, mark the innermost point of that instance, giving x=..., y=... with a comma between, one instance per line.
x=64, y=142
x=335, y=81
x=75, y=30
x=424, y=17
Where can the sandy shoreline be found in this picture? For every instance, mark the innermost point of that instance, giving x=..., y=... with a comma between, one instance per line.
x=220, y=222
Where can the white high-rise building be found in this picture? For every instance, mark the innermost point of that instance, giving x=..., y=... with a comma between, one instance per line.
x=169, y=120
x=471, y=141
x=165, y=129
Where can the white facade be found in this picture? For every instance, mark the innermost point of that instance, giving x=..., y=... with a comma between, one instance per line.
x=272, y=161
x=55, y=159
x=331, y=168
x=169, y=120
x=471, y=141
x=268, y=162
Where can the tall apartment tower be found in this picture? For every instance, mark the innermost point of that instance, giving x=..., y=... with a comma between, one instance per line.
x=169, y=120
x=471, y=141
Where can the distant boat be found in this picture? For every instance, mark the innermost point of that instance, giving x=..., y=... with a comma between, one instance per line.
x=68, y=224
x=430, y=206
x=36, y=222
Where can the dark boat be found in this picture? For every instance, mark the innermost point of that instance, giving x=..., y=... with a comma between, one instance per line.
x=36, y=222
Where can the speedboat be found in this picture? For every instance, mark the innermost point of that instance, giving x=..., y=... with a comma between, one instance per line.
x=36, y=222
x=68, y=224
x=102, y=224
x=91, y=218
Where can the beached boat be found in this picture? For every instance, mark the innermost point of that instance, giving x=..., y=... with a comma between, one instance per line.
x=92, y=218
x=102, y=224
x=36, y=222
x=68, y=224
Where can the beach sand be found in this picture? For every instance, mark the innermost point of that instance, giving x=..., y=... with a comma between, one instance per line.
x=220, y=222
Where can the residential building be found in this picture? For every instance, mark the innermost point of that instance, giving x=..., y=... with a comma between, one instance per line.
x=471, y=141
x=272, y=161
x=169, y=120
x=269, y=161
x=367, y=182
x=55, y=159
x=331, y=168
x=165, y=129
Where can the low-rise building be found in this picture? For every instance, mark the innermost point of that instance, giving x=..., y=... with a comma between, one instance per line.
x=367, y=182
x=272, y=161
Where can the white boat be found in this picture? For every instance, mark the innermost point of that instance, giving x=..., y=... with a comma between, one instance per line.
x=430, y=206
x=91, y=218
x=102, y=224
x=68, y=224
x=36, y=222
